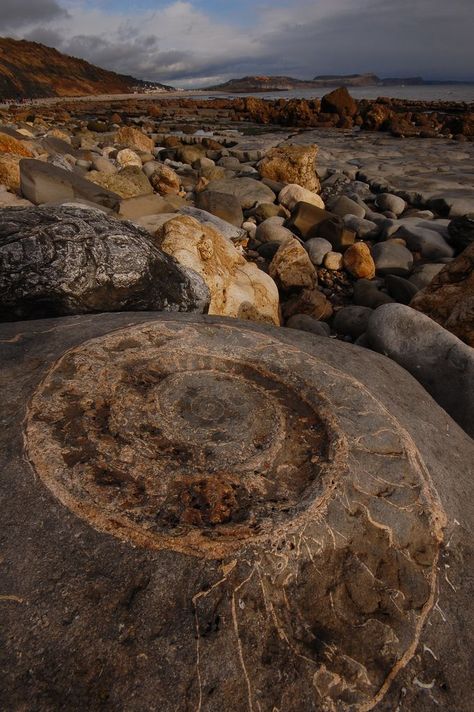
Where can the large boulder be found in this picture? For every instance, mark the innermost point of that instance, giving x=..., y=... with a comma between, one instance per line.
x=44, y=183
x=449, y=298
x=69, y=260
x=339, y=102
x=208, y=515
x=291, y=164
x=238, y=288
x=130, y=182
x=134, y=139
x=442, y=363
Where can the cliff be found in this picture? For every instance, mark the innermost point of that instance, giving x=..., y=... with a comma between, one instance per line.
x=32, y=70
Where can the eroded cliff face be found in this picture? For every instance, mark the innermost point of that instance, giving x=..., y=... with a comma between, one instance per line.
x=29, y=69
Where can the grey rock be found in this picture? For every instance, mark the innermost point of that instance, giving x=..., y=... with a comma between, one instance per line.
x=402, y=290
x=317, y=248
x=272, y=230
x=423, y=274
x=352, y=320
x=441, y=362
x=364, y=229
x=248, y=191
x=229, y=162
x=392, y=258
x=368, y=294
x=343, y=205
x=43, y=183
x=390, y=202
x=231, y=232
x=305, y=322
x=67, y=260
x=224, y=206
x=429, y=243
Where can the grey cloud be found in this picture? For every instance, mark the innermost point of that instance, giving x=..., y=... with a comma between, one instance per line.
x=19, y=13
x=389, y=37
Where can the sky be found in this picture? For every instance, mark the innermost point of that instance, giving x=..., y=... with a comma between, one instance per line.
x=202, y=42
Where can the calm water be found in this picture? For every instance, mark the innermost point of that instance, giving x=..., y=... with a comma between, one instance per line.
x=444, y=92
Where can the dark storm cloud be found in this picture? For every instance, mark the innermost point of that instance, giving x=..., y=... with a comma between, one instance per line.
x=18, y=13
x=392, y=38
x=431, y=38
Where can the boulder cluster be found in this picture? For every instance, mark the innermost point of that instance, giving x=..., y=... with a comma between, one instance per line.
x=218, y=492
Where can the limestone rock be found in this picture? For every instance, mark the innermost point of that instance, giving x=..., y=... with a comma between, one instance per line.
x=135, y=139
x=291, y=164
x=449, y=298
x=358, y=261
x=203, y=512
x=43, y=183
x=292, y=194
x=237, y=288
x=442, y=363
x=126, y=158
x=165, y=180
x=66, y=260
x=292, y=267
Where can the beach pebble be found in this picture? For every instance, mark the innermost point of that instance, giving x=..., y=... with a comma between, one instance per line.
x=317, y=248
x=304, y=322
x=391, y=203
x=392, y=258
x=333, y=260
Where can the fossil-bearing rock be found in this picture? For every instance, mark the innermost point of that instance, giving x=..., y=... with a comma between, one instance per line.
x=69, y=260
x=201, y=514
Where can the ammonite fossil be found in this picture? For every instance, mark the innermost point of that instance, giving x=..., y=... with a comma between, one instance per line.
x=235, y=517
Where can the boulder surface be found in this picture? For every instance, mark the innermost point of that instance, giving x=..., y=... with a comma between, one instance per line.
x=164, y=547
x=69, y=260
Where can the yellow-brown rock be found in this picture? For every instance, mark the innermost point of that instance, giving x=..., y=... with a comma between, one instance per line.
x=11, y=145
x=291, y=266
x=358, y=261
x=165, y=180
x=238, y=288
x=129, y=183
x=10, y=171
x=292, y=164
x=133, y=138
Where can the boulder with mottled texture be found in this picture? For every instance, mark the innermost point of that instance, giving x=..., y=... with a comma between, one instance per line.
x=291, y=164
x=69, y=260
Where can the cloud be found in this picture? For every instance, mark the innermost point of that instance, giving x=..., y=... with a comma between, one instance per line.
x=17, y=13
x=180, y=43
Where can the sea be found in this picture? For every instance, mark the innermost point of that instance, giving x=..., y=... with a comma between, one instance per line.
x=436, y=92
